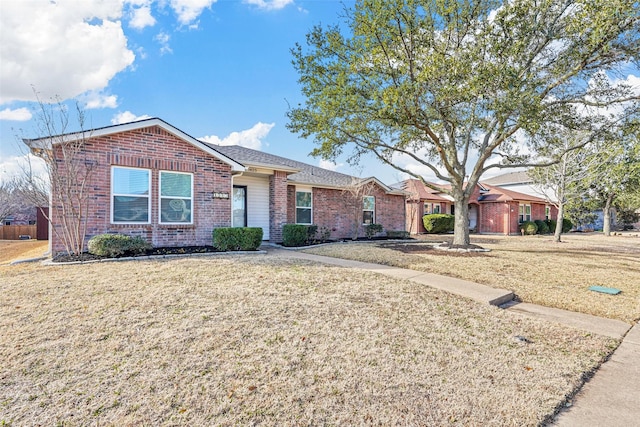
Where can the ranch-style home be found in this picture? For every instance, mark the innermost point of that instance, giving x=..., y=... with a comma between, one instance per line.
x=151, y=179
x=492, y=210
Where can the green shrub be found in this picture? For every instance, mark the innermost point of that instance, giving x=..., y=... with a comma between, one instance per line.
x=397, y=234
x=438, y=223
x=113, y=245
x=323, y=235
x=302, y=234
x=237, y=238
x=551, y=223
x=530, y=228
x=543, y=228
x=311, y=232
x=370, y=230
x=567, y=225
x=294, y=235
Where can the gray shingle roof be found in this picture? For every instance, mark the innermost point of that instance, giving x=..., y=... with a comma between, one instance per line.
x=307, y=174
x=509, y=178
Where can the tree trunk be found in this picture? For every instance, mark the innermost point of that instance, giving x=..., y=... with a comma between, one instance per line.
x=461, y=227
x=606, y=216
x=559, y=220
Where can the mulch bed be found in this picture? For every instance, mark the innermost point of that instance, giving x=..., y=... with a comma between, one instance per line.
x=182, y=250
x=421, y=248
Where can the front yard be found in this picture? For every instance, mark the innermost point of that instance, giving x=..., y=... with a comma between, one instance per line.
x=538, y=270
x=264, y=340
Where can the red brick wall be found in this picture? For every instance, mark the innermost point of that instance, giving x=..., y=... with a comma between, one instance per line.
x=341, y=213
x=537, y=211
x=415, y=211
x=502, y=217
x=291, y=204
x=278, y=205
x=155, y=149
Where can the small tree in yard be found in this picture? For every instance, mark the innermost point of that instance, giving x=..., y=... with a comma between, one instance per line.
x=353, y=196
x=70, y=172
x=563, y=181
x=617, y=172
x=461, y=87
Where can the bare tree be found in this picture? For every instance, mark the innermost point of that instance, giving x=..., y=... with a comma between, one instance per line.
x=69, y=172
x=353, y=195
x=562, y=181
x=6, y=200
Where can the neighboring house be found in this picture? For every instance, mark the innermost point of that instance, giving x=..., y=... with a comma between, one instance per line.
x=492, y=210
x=522, y=182
x=151, y=179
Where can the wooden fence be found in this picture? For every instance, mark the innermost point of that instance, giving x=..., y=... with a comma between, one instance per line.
x=13, y=232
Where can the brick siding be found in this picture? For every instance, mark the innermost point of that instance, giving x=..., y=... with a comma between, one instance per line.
x=278, y=204
x=339, y=212
x=156, y=150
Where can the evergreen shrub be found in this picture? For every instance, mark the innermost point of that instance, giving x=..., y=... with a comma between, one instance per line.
x=438, y=223
x=114, y=245
x=237, y=238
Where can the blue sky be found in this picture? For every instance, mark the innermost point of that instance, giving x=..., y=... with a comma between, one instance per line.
x=218, y=70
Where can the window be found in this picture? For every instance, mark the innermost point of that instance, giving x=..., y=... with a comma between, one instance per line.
x=524, y=213
x=176, y=197
x=547, y=212
x=431, y=208
x=130, y=195
x=368, y=210
x=303, y=207
x=239, y=218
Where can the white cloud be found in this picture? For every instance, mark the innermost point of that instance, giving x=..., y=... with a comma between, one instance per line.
x=249, y=138
x=329, y=165
x=18, y=115
x=96, y=99
x=14, y=166
x=140, y=15
x=61, y=48
x=127, y=117
x=269, y=4
x=189, y=10
x=163, y=39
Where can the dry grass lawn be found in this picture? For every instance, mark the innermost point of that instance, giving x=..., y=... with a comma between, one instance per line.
x=534, y=267
x=264, y=340
x=12, y=250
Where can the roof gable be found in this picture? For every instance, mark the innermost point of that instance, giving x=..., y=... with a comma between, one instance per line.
x=46, y=142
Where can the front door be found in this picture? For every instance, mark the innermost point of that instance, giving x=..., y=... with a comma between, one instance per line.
x=239, y=218
x=473, y=217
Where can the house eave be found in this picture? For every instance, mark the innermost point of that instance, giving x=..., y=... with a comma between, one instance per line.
x=48, y=142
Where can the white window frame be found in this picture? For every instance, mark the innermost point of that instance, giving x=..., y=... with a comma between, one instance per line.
x=523, y=216
x=113, y=195
x=310, y=208
x=373, y=212
x=160, y=197
x=547, y=212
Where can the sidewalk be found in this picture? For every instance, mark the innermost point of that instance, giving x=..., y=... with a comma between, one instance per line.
x=610, y=398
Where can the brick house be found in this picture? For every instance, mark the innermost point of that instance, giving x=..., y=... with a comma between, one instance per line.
x=492, y=209
x=151, y=179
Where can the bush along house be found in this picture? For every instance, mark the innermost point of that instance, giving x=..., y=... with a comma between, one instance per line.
x=150, y=179
x=492, y=209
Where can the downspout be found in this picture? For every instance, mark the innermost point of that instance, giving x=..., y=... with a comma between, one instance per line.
x=509, y=219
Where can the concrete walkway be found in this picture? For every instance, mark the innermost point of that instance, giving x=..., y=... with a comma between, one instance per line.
x=610, y=398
